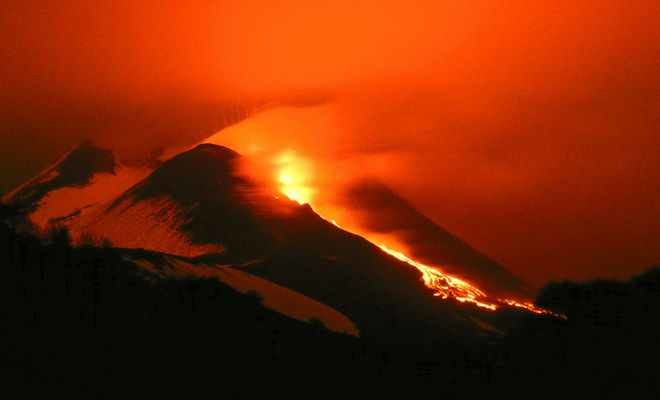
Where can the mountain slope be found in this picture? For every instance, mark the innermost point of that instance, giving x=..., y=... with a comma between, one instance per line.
x=83, y=178
x=381, y=210
x=75, y=168
x=275, y=297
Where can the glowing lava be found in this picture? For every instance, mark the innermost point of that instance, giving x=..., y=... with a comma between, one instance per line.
x=531, y=308
x=445, y=285
x=293, y=180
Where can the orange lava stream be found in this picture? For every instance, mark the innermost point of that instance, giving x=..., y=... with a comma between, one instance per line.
x=293, y=183
x=532, y=308
x=443, y=284
x=448, y=286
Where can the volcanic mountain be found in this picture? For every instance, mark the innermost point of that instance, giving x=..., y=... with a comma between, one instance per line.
x=380, y=209
x=75, y=169
x=82, y=178
x=204, y=217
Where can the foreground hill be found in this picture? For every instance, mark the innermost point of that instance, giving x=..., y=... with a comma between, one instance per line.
x=159, y=266
x=88, y=321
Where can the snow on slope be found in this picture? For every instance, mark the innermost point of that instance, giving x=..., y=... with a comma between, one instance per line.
x=74, y=201
x=151, y=224
x=274, y=297
x=81, y=179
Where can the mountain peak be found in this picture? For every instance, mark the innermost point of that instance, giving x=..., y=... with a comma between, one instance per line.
x=204, y=172
x=76, y=168
x=215, y=150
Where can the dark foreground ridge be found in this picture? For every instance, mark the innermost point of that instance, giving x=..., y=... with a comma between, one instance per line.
x=83, y=321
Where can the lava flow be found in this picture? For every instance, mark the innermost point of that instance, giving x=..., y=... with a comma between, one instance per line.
x=443, y=284
x=293, y=183
x=291, y=178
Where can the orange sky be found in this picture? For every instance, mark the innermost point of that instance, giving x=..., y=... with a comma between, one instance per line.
x=529, y=128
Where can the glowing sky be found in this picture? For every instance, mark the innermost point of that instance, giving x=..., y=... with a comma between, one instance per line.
x=531, y=129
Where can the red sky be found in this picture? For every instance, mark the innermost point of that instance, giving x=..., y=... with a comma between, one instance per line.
x=531, y=130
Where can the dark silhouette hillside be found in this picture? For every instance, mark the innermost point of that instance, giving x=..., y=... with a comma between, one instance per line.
x=84, y=321
x=607, y=348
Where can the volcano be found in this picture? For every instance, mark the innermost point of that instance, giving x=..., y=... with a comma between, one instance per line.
x=205, y=218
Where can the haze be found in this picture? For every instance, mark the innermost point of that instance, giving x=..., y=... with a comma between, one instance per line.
x=531, y=130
